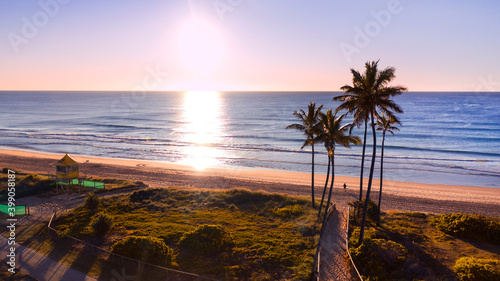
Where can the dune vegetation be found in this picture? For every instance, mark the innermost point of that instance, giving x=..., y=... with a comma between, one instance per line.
x=228, y=235
x=418, y=246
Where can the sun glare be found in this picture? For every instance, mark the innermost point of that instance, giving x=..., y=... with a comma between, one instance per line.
x=200, y=46
x=203, y=130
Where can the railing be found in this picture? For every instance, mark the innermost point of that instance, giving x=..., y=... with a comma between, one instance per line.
x=347, y=244
x=319, y=263
x=169, y=273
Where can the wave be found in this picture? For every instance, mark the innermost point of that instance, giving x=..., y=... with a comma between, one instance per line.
x=449, y=171
x=120, y=126
x=449, y=151
x=111, y=139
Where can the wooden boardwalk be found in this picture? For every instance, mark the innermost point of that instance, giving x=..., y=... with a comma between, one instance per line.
x=334, y=265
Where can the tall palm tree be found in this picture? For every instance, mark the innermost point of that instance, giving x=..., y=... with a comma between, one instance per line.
x=356, y=102
x=332, y=133
x=369, y=96
x=385, y=125
x=308, y=125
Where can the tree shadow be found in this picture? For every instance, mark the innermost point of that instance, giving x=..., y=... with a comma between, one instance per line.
x=122, y=269
x=39, y=236
x=492, y=248
x=83, y=263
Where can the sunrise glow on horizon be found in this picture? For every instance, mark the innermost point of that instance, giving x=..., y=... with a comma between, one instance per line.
x=246, y=46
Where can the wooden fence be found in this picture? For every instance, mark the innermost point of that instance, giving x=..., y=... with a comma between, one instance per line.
x=347, y=244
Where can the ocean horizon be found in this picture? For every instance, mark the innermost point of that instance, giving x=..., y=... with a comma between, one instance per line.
x=448, y=138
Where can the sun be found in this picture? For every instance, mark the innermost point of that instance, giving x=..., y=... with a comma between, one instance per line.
x=200, y=46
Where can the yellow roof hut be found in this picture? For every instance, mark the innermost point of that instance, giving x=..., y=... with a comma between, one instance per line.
x=67, y=168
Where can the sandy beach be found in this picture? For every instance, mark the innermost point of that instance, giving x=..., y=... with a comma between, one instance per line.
x=402, y=196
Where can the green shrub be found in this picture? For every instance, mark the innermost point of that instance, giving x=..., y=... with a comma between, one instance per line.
x=473, y=227
x=288, y=211
x=372, y=214
x=279, y=256
x=92, y=202
x=159, y=194
x=380, y=258
x=370, y=233
x=144, y=194
x=472, y=269
x=209, y=239
x=101, y=223
x=145, y=248
x=245, y=196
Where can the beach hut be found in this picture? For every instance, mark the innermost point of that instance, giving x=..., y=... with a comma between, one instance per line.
x=67, y=168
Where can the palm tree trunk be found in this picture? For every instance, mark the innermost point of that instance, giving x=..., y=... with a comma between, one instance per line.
x=362, y=169
x=381, y=174
x=362, y=164
x=326, y=185
x=368, y=189
x=326, y=212
x=330, y=193
x=312, y=178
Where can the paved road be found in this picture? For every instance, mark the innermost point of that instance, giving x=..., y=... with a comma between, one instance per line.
x=40, y=266
x=31, y=262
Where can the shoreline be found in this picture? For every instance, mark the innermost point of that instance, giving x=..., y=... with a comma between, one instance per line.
x=397, y=195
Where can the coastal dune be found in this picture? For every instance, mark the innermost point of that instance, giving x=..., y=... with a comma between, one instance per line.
x=397, y=195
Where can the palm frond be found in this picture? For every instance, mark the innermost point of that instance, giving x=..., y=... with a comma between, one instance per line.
x=299, y=127
x=308, y=122
x=385, y=124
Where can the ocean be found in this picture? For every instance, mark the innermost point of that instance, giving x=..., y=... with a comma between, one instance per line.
x=445, y=138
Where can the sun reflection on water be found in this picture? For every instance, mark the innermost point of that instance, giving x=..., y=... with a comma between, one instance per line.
x=203, y=129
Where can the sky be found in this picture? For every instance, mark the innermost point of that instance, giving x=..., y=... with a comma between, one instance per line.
x=246, y=45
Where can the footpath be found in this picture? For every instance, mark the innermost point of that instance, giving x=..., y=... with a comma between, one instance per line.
x=333, y=264
x=36, y=264
x=40, y=266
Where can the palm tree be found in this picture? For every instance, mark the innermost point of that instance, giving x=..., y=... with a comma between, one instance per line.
x=369, y=95
x=355, y=102
x=308, y=125
x=326, y=181
x=332, y=133
x=385, y=125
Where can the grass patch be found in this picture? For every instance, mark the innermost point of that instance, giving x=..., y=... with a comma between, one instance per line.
x=408, y=246
x=289, y=211
x=26, y=183
x=271, y=236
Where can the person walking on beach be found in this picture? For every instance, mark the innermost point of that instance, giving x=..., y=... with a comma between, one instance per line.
x=344, y=186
